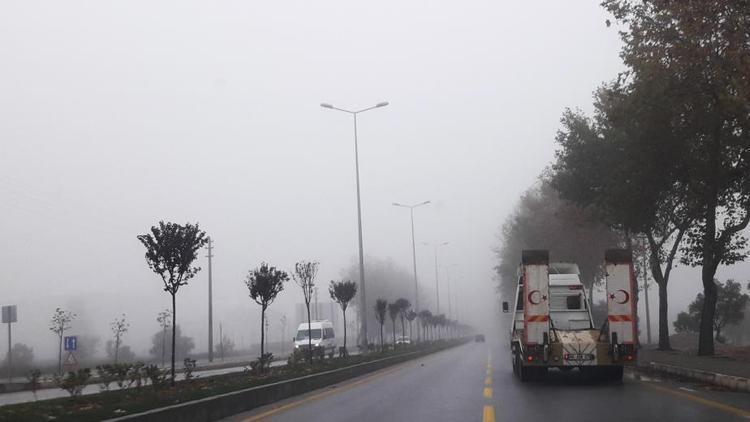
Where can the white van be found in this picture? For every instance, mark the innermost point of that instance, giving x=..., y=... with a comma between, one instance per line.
x=323, y=337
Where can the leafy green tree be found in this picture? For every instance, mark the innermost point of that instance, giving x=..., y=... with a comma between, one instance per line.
x=60, y=322
x=611, y=166
x=403, y=308
x=542, y=220
x=381, y=306
x=264, y=284
x=171, y=250
x=730, y=305
x=705, y=47
x=343, y=292
x=304, y=275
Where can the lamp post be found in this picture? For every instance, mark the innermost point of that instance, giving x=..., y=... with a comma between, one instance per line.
x=363, y=313
x=413, y=248
x=437, y=279
x=448, y=279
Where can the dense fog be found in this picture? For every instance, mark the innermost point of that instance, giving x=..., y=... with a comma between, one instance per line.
x=116, y=116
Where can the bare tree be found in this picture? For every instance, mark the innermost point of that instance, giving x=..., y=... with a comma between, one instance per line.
x=165, y=320
x=170, y=251
x=60, y=323
x=119, y=327
x=381, y=306
x=304, y=275
x=264, y=284
x=343, y=292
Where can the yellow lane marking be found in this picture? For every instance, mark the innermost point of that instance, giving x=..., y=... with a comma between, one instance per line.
x=487, y=392
x=706, y=402
x=488, y=381
x=489, y=414
x=324, y=394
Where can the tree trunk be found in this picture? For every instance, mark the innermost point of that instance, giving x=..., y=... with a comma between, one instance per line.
x=394, y=333
x=262, y=331
x=309, y=334
x=382, y=346
x=59, y=354
x=344, y=312
x=403, y=328
x=174, y=333
x=117, y=347
x=706, y=334
x=664, y=343
x=163, y=344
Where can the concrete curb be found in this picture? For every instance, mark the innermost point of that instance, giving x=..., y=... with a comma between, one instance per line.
x=726, y=381
x=228, y=404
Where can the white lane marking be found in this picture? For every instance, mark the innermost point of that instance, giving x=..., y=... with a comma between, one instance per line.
x=688, y=389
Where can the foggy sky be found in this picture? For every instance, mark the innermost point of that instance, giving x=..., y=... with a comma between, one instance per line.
x=115, y=115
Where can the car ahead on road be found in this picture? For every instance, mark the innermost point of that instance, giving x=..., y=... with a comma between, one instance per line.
x=322, y=336
x=479, y=338
x=403, y=340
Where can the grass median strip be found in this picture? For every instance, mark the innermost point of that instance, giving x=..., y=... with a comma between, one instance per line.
x=119, y=403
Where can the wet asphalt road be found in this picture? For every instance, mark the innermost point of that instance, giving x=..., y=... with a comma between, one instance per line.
x=475, y=382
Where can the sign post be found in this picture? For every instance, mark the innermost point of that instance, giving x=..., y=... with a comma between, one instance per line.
x=70, y=345
x=9, y=317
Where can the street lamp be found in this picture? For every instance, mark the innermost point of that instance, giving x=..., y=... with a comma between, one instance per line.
x=448, y=279
x=413, y=248
x=363, y=312
x=437, y=280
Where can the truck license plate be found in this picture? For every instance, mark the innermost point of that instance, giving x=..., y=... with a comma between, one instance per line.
x=579, y=356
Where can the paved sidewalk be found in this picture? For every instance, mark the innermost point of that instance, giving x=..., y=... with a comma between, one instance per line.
x=716, y=364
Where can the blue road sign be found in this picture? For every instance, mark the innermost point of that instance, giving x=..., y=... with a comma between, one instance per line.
x=71, y=343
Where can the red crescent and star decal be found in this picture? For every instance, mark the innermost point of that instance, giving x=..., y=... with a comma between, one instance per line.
x=535, y=297
x=625, y=297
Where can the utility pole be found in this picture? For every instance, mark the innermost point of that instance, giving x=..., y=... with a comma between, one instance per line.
x=437, y=283
x=221, y=343
x=437, y=278
x=210, y=305
x=448, y=280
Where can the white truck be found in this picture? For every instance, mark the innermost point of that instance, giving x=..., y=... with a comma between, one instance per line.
x=552, y=325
